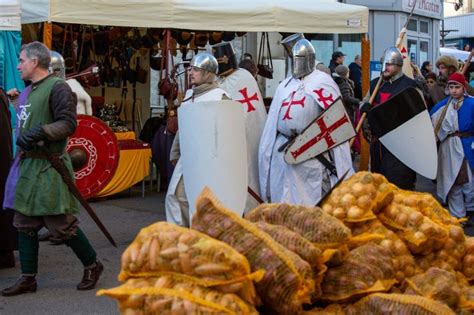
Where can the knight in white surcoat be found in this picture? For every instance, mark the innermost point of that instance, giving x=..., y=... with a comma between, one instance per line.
x=202, y=77
x=243, y=88
x=83, y=99
x=298, y=100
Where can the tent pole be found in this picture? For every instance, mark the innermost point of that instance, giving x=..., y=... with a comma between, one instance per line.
x=364, y=145
x=48, y=34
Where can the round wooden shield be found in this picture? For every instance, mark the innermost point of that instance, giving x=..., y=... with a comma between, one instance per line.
x=94, y=153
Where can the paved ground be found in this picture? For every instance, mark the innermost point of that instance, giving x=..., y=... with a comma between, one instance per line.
x=60, y=271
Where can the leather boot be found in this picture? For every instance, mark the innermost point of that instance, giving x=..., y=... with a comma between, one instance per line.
x=26, y=284
x=91, y=276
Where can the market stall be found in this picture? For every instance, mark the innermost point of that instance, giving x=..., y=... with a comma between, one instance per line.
x=327, y=16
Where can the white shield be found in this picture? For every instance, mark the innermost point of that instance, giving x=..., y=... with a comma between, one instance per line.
x=425, y=161
x=330, y=129
x=214, y=152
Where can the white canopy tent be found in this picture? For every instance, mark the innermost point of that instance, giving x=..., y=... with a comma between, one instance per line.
x=309, y=16
x=456, y=53
x=10, y=15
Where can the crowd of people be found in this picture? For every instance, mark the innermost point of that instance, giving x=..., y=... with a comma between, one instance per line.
x=36, y=196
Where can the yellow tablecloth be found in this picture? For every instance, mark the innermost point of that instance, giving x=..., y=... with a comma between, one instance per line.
x=133, y=167
x=129, y=135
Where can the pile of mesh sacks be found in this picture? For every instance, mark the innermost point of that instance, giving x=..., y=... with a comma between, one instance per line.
x=371, y=248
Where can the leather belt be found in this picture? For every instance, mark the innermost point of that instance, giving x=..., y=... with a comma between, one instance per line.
x=460, y=134
x=37, y=155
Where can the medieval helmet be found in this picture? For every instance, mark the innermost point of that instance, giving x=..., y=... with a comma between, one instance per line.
x=290, y=41
x=225, y=55
x=205, y=61
x=304, y=58
x=392, y=56
x=57, y=65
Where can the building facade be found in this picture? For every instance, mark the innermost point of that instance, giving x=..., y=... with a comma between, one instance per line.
x=388, y=17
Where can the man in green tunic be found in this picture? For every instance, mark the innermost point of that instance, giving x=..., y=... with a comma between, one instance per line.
x=34, y=190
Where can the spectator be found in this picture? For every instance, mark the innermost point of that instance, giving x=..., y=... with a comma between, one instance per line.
x=446, y=65
x=250, y=66
x=426, y=67
x=430, y=82
x=453, y=122
x=355, y=74
x=336, y=60
x=467, y=47
x=346, y=86
x=420, y=81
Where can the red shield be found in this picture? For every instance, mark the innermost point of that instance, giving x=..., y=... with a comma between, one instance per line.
x=95, y=154
x=330, y=129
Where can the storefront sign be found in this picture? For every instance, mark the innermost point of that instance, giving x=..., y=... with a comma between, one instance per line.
x=432, y=8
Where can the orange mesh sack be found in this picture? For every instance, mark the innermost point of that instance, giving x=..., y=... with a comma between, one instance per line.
x=332, y=309
x=298, y=245
x=466, y=300
x=436, y=284
x=424, y=203
x=383, y=303
x=468, y=259
x=313, y=224
x=172, y=294
x=450, y=256
x=367, y=269
x=288, y=281
x=419, y=232
x=374, y=231
x=294, y=242
x=167, y=247
x=359, y=198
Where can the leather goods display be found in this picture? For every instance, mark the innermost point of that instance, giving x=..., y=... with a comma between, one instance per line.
x=168, y=87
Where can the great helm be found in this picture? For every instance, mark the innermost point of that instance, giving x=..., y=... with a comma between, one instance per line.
x=304, y=58
x=290, y=41
x=225, y=55
x=57, y=64
x=205, y=61
x=392, y=56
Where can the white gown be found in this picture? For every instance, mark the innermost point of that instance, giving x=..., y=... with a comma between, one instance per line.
x=84, y=101
x=289, y=114
x=243, y=88
x=450, y=153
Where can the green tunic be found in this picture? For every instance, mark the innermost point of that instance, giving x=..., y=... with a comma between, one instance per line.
x=40, y=189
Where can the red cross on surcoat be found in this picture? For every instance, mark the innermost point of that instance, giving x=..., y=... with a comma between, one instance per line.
x=291, y=103
x=326, y=100
x=324, y=134
x=248, y=100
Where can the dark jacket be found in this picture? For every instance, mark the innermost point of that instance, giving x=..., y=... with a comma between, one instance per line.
x=332, y=66
x=346, y=86
x=355, y=74
x=8, y=236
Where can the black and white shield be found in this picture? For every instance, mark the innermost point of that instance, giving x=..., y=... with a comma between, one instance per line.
x=404, y=127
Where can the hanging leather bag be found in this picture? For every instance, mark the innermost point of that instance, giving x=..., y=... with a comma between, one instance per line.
x=167, y=87
x=265, y=66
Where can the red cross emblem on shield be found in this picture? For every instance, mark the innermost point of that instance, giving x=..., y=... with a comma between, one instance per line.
x=330, y=129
